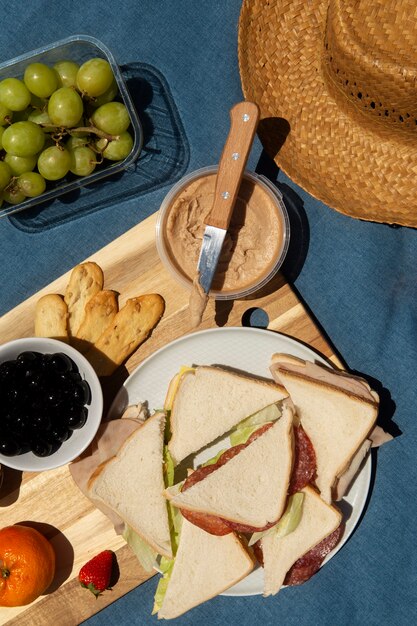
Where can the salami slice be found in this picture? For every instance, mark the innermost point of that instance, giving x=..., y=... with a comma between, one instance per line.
x=307, y=565
x=210, y=523
x=310, y=563
x=229, y=454
x=304, y=469
x=198, y=475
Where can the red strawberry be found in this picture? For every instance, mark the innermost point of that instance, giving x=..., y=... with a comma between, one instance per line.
x=95, y=575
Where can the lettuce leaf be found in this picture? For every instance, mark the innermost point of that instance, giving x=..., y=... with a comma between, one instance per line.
x=174, y=520
x=142, y=550
x=165, y=567
x=247, y=426
x=287, y=523
x=174, y=517
x=169, y=467
x=214, y=459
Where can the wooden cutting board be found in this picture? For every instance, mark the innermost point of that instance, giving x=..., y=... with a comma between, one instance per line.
x=50, y=500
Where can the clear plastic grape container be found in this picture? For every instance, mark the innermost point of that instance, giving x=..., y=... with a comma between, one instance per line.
x=77, y=48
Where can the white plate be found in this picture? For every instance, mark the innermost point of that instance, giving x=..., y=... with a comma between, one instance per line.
x=248, y=349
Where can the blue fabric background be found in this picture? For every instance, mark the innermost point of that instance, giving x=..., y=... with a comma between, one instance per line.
x=358, y=279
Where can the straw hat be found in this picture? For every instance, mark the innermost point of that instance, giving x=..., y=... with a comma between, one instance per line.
x=335, y=81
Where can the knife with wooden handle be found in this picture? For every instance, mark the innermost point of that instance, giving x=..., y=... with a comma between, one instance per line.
x=244, y=118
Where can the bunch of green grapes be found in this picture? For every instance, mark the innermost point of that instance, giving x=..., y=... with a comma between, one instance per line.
x=59, y=120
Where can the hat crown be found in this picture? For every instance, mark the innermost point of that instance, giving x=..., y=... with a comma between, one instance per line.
x=369, y=60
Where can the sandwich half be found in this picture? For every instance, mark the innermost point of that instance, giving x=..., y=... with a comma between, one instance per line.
x=131, y=483
x=205, y=565
x=280, y=553
x=205, y=402
x=337, y=411
x=250, y=486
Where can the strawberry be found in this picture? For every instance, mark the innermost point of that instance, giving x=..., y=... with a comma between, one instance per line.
x=95, y=575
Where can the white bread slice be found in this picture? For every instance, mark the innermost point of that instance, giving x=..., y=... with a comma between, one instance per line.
x=205, y=566
x=210, y=401
x=318, y=520
x=251, y=488
x=132, y=484
x=336, y=410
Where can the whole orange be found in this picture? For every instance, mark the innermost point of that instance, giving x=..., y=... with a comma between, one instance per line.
x=27, y=565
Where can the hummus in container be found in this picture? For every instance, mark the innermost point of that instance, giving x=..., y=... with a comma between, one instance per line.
x=256, y=241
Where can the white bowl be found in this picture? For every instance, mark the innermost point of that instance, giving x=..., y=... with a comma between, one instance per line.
x=82, y=437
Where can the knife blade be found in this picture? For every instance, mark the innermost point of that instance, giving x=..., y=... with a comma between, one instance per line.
x=244, y=118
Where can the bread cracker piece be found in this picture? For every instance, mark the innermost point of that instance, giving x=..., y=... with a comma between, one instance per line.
x=130, y=327
x=99, y=313
x=85, y=281
x=51, y=317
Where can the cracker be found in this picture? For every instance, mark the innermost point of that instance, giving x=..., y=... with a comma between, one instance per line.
x=130, y=327
x=51, y=317
x=85, y=281
x=99, y=313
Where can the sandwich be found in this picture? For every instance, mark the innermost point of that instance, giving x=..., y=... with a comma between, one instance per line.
x=263, y=490
x=247, y=486
x=205, y=565
x=292, y=558
x=337, y=411
x=205, y=402
x=131, y=484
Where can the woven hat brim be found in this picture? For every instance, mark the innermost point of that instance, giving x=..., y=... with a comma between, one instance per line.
x=328, y=152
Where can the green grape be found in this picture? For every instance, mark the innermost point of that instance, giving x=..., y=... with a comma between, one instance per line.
x=1, y=136
x=83, y=161
x=23, y=139
x=5, y=115
x=94, y=77
x=40, y=79
x=67, y=72
x=65, y=107
x=108, y=96
x=117, y=149
x=19, y=165
x=5, y=175
x=38, y=116
x=54, y=163
x=13, y=195
x=112, y=118
x=31, y=184
x=77, y=140
x=14, y=94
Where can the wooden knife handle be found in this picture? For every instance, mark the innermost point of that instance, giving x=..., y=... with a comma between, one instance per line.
x=244, y=118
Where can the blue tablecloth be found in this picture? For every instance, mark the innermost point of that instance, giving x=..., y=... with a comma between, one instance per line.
x=358, y=279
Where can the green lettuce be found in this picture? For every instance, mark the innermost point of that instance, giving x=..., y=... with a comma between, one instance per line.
x=287, y=523
x=174, y=517
x=165, y=567
x=169, y=467
x=214, y=459
x=142, y=550
x=247, y=426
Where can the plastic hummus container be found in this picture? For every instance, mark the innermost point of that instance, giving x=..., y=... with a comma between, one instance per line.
x=255, y=245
